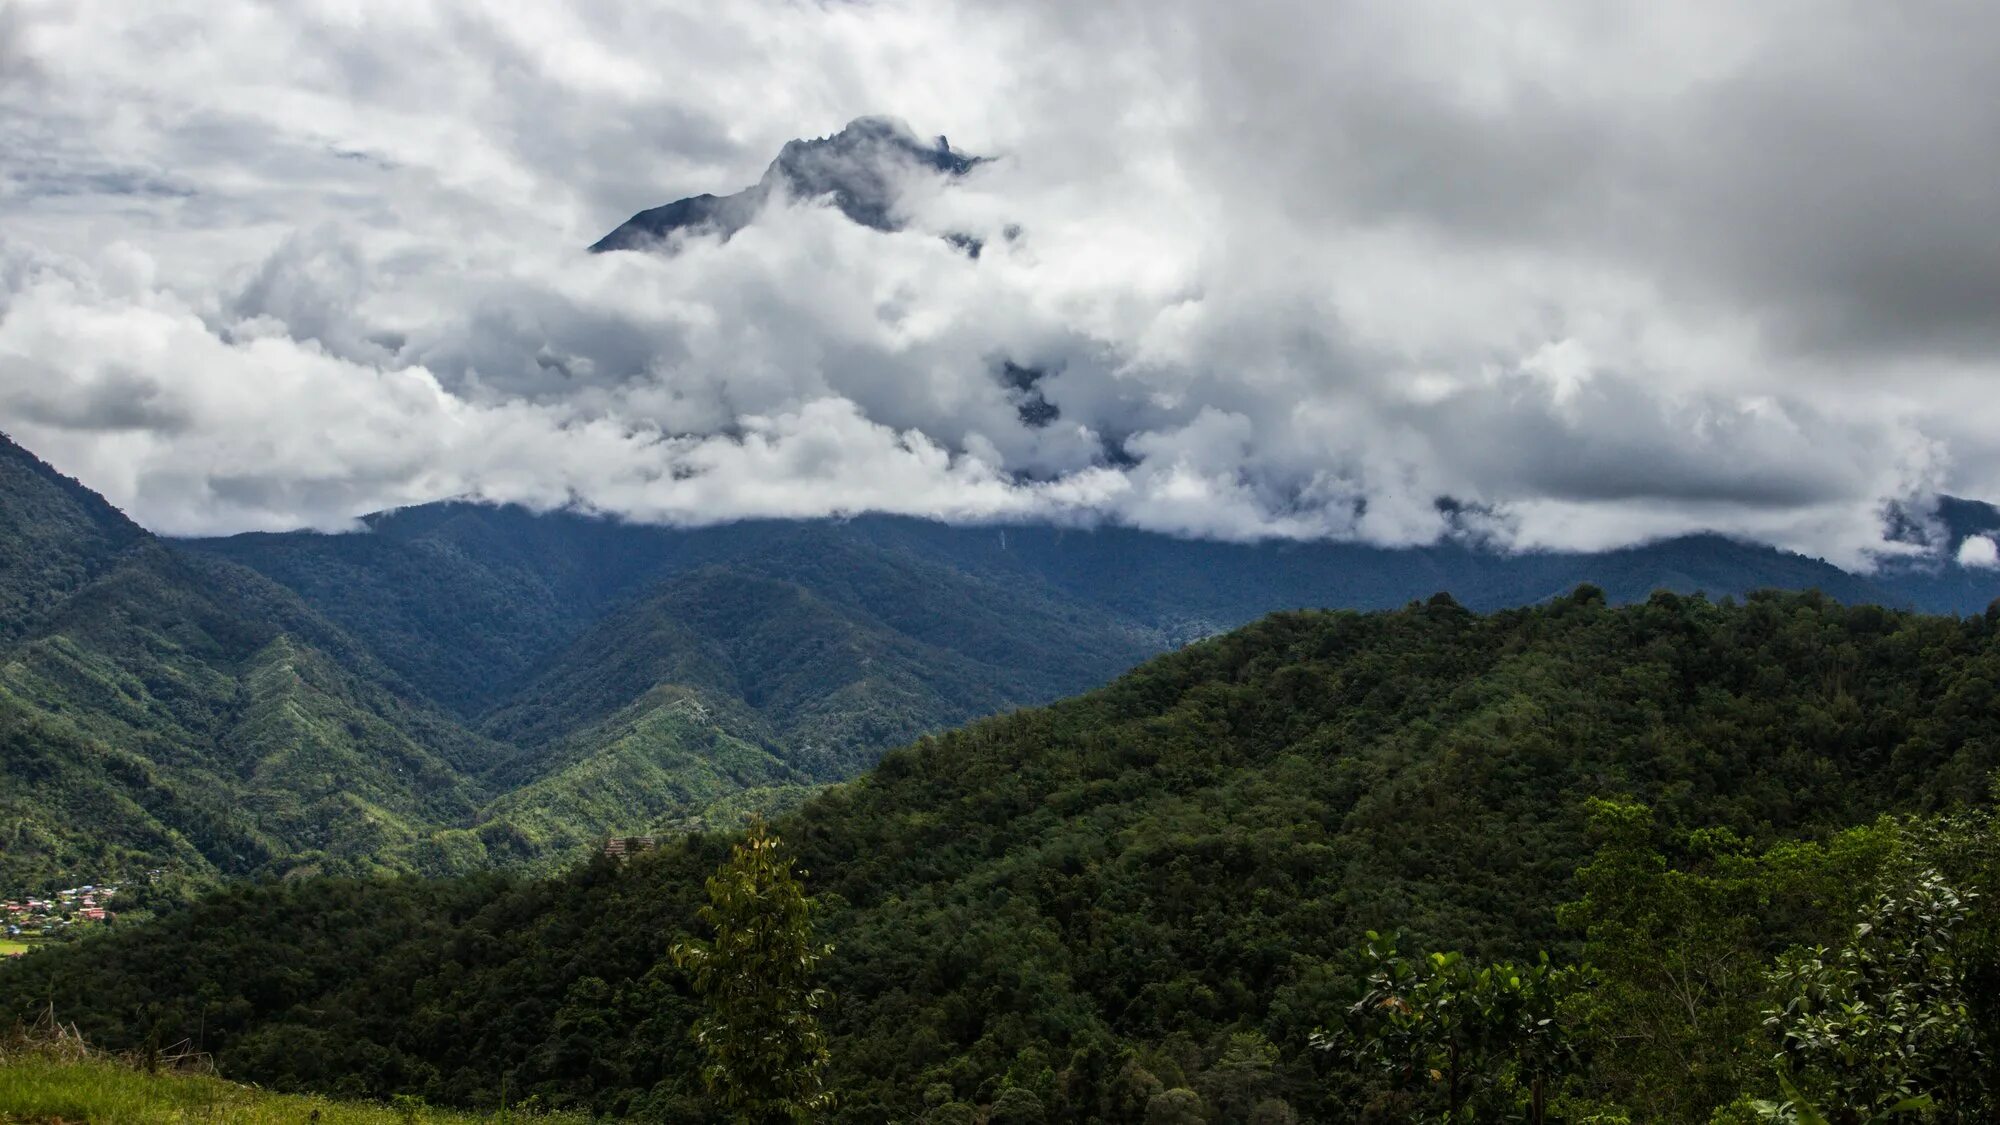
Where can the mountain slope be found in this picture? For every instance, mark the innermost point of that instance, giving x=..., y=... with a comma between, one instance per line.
x=671, y=761
x=724, y=676
x=816, y=644
x=199, y=709
x=73, y=804
x=55, y=537
x=317, y=706
x=477, y=605
x=791, y=616
x=1131, y=879
x=812, y=645
x=464, y=601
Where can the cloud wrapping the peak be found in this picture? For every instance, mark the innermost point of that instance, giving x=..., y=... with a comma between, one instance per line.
x=1575, y=277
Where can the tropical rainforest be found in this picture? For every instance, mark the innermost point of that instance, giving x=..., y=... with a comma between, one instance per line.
x=1684, y=860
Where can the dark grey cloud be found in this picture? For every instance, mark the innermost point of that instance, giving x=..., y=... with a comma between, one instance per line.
x=1833, y=168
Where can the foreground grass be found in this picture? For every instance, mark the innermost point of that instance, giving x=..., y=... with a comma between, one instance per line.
x=41, y=1090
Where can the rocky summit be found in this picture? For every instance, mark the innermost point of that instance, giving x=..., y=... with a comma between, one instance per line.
x=861, y=169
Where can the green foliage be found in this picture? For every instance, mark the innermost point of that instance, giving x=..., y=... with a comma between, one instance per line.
x=1709, y=966
x=1468, y=1042
x=1175, y=1107
x=42, y=1089
x=56, y=537
x=1678, y=953
x=159, y=709
x=1115, y=889
x=760, y=1033
x=1887, y=1019
x=1796, y=1109
x=1016, y=1106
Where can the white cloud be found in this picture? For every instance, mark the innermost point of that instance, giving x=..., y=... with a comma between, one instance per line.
x=1301, y=273
x=1979, y=551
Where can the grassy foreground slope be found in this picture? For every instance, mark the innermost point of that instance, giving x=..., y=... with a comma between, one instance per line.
x=38, y=1090
x=1145, y=872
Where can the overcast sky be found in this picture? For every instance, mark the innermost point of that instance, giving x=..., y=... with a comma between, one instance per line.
x=1591, y=272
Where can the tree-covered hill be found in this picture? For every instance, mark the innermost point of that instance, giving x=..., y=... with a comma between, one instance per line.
x=814, y=645
x=485, y=607
x=55, y=537
x=1159, y=884
x=465, y=601
x=169, y=709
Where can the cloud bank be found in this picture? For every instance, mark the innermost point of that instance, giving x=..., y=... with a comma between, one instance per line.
x=1576, y=277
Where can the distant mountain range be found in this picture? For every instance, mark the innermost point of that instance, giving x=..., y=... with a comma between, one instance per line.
x=476, y=603
x=462, y=685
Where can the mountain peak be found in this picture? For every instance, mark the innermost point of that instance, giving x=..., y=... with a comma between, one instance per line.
x=861, y=168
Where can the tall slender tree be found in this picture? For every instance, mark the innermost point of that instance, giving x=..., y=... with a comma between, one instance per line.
x=766, y=1054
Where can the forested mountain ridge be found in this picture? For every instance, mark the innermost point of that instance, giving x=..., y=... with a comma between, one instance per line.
x=55, y=536
x=462, y=685
x=474, y=602
x=1158, y=884
x=168, y=707
x=164, y=708
x=809, y=649
x=827, y=641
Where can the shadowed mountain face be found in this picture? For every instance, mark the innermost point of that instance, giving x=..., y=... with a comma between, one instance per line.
x=1937, y=579
x=861, y=168
x=481, y=605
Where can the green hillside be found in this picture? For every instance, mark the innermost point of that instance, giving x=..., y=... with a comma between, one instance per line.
x=667, y=762
x=1159, y=884
x=72, y=804
x=55, y=537
x=477, y=605
x=815, y=645
x=463, y=601
x=162, y=709
x=170, y=708
x=819, y=674
x=725, y=689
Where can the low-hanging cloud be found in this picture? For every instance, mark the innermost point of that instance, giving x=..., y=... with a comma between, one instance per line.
x=1363, y=271
x=1979, y=552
